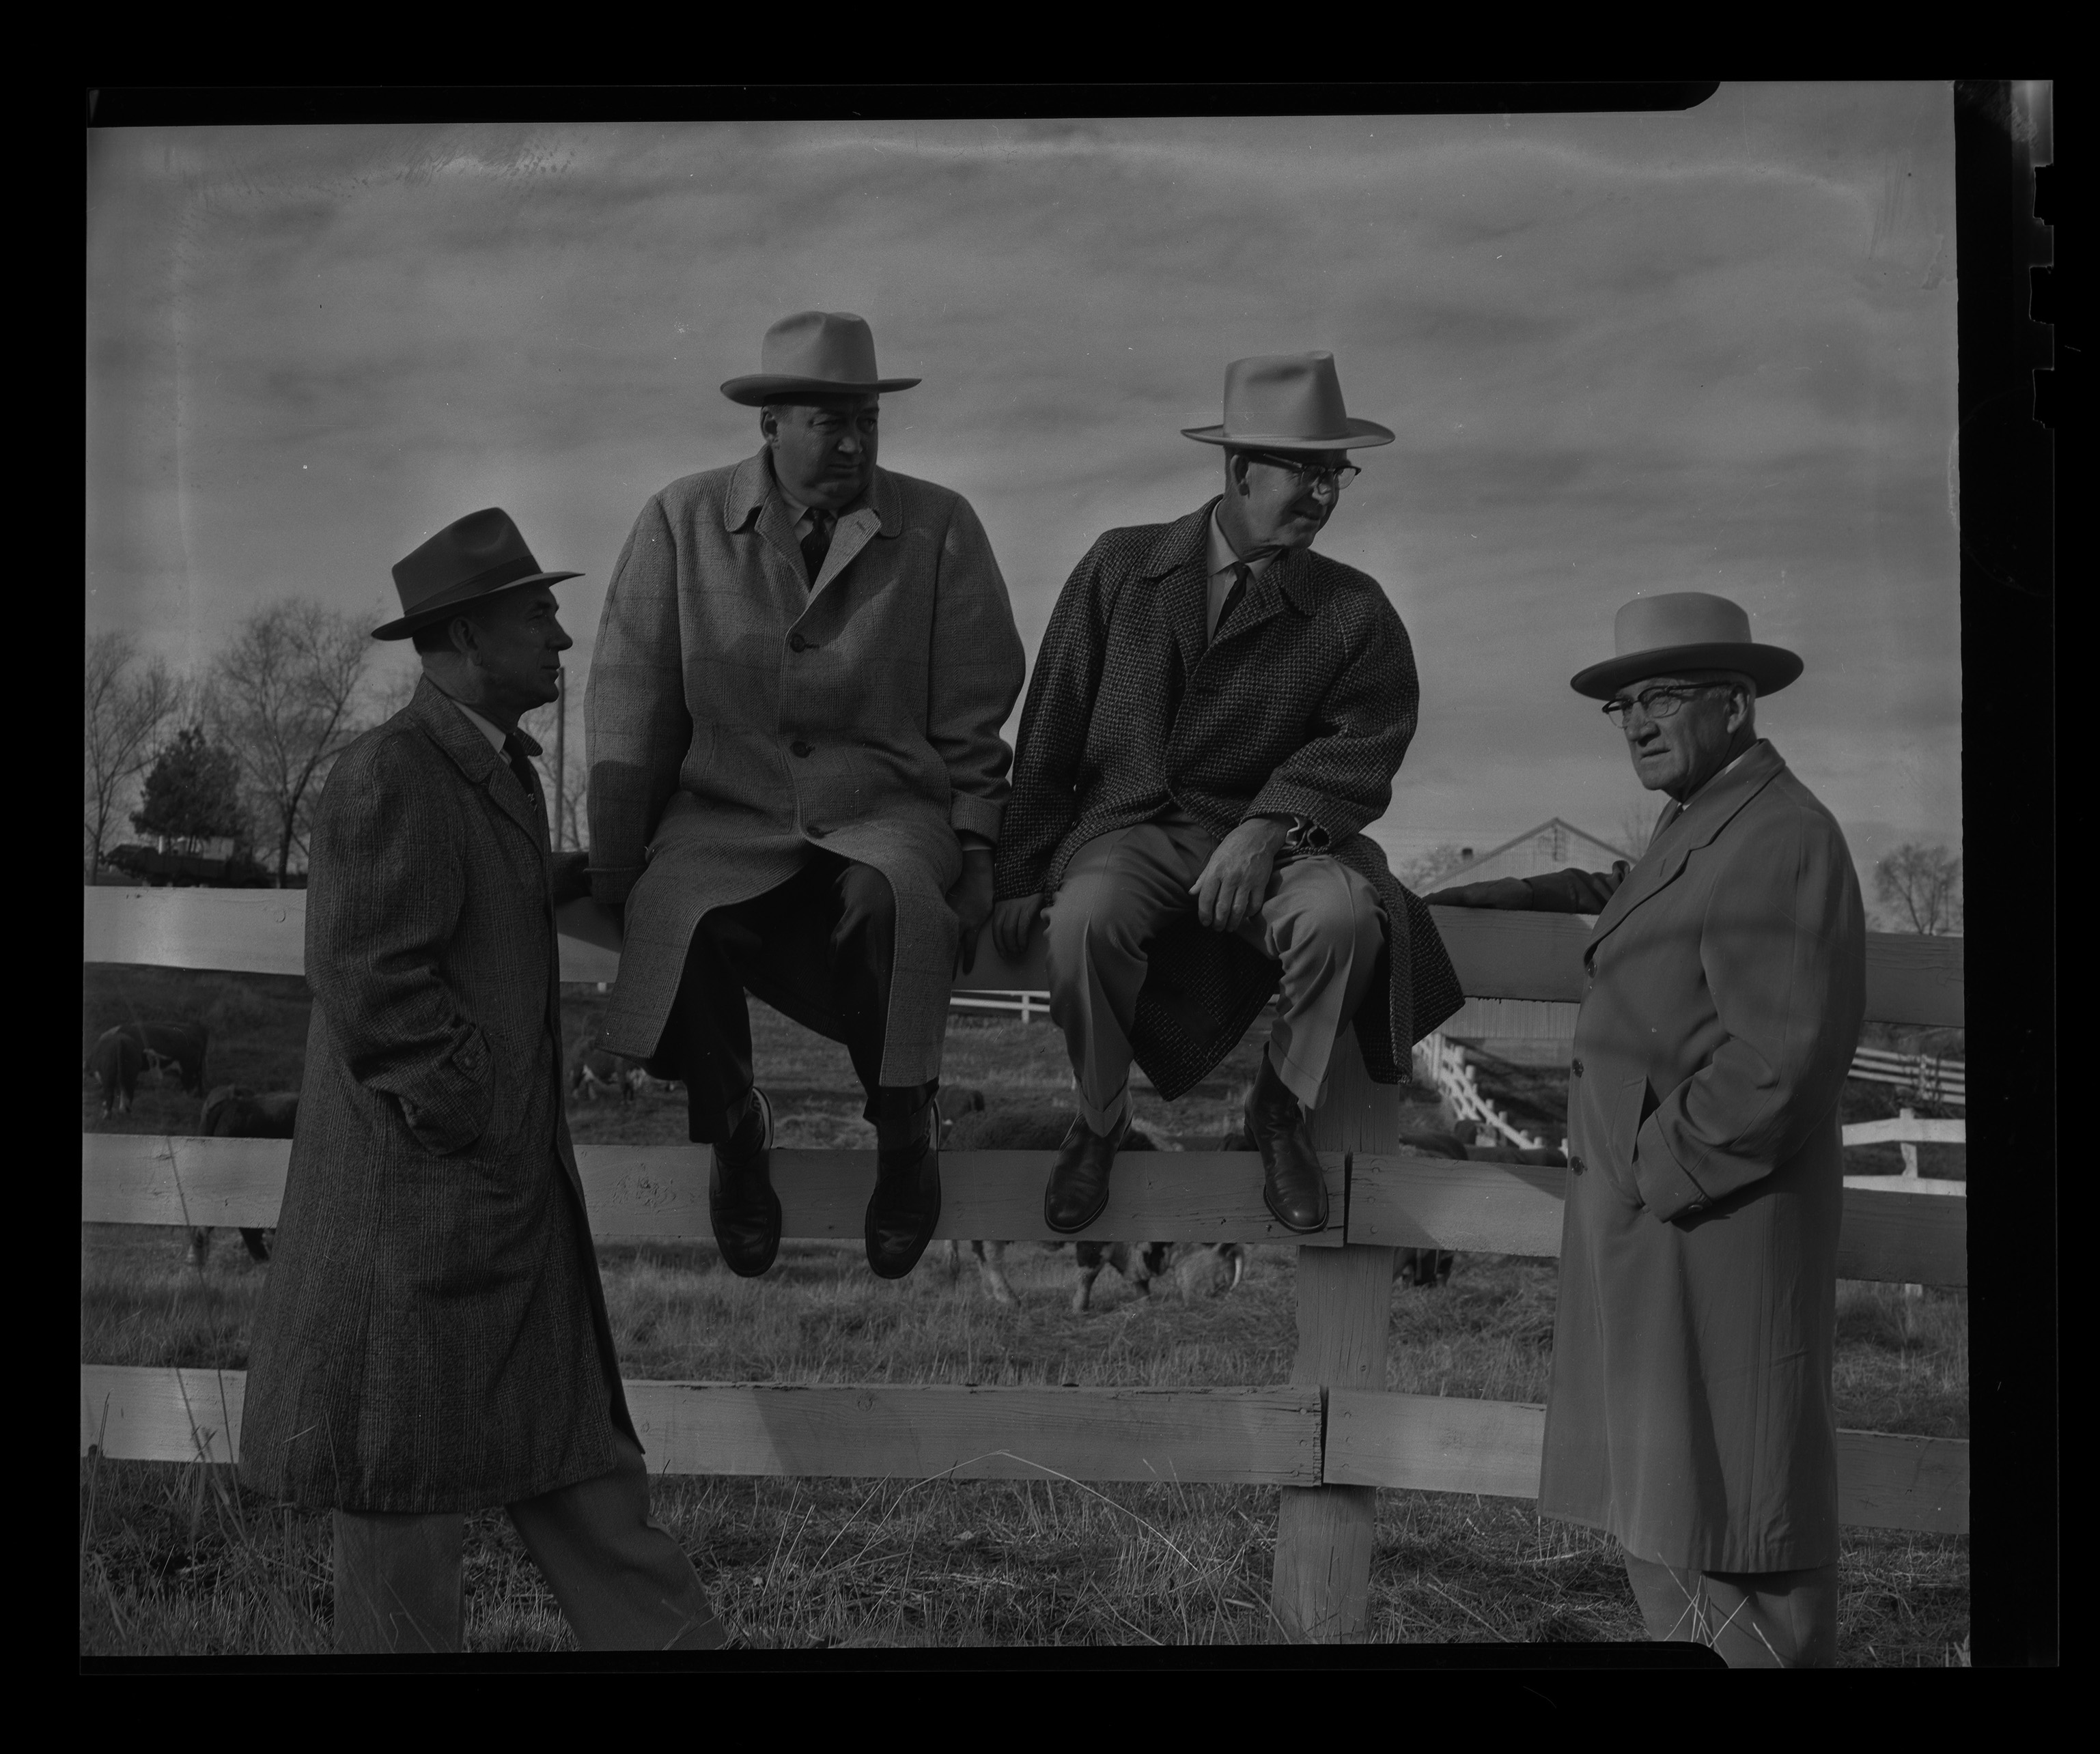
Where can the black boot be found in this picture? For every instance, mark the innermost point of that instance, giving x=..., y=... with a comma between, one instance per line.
x=1078, y=1190
x=1292, y=1185
x=905, y=1206
x=745, y=1210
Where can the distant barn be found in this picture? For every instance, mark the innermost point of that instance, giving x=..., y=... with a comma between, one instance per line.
x=1529, y=1032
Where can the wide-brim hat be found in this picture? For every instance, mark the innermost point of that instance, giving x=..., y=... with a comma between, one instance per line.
x=1288, y=402
x=475, y=556
x=1676, y=631
x=826, y=353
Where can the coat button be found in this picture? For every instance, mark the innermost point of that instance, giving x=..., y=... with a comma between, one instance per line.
x=796, y=643
x=1578, y=1069
x=799, y=747
x=1577, y=1165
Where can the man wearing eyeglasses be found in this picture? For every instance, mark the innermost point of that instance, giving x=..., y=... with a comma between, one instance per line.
x=1690, y=1410
x=1217, y=712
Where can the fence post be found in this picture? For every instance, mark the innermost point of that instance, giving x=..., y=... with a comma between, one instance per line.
x=1320, y=1589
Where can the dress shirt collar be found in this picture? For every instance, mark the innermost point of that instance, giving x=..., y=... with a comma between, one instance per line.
x=1222, y=556
x=498, y=738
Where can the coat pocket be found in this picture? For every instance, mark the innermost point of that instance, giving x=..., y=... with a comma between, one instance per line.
x=1629, y=1108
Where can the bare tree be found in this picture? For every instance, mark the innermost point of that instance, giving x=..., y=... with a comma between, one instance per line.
x=1924, y=884
x=1637, y=824
x=129, y=703
x=284, y=698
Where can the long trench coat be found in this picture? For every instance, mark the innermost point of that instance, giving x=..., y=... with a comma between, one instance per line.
x=740, y=713
x=1690, y=1414
x=1303, y=703
x=433, y=1334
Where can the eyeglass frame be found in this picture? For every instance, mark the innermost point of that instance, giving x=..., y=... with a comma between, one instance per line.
x=1338, y=475
x=1679, y=693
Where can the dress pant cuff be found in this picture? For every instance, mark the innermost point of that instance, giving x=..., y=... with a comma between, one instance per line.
x=1103, y=1118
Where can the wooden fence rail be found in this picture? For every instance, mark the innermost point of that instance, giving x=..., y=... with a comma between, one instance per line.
x=1328, y=1440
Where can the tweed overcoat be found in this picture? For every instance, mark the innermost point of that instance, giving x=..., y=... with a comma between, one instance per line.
x=1302, y=704
x=739, y=713
x=1690, y=1414
x=433, y=1334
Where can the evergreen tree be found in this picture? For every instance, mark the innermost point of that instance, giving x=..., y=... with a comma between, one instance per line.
x=192, y=793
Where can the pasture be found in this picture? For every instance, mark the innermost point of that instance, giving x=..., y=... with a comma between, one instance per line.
x=179, y=1560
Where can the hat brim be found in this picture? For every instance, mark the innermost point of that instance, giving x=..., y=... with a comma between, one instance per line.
x=1360, y=434
x=754, y=392
x=404, y=625
x=1772, y=667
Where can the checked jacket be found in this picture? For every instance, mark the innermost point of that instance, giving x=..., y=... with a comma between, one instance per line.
x=1303, y=704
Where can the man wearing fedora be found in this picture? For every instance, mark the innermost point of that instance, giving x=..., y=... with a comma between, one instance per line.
x=1690, y=1410
x=432, y=1338
x=796, y=775
x=1217, y=712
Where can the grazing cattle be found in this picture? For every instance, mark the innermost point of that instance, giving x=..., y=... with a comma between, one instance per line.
x=594, y=1073
x=1197, y=1269
x=176, y=1047
x=233, y=1111
x=115, y=1062
x=1432, y=1266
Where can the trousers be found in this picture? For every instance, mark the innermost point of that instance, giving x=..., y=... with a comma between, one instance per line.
x=1320, y=920
x=819, y=947
x=622, y=1581
x=1755, y=1619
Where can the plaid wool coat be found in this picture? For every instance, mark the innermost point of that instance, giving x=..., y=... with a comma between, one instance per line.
x=432, y=1335
x=1691, y=1412
x=740, y=713
x=1303, y=704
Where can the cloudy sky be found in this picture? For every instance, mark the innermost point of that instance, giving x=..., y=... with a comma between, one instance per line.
x=1712, y=351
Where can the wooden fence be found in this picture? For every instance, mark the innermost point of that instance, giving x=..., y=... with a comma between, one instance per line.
x=1330, y=1439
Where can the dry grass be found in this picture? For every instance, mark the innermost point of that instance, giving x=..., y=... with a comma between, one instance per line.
x=178, y=1560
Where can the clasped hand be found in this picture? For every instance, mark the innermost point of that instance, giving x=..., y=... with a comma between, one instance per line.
x=971, y=899
x=1235, y=882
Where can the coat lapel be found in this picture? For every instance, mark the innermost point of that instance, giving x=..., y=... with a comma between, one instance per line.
x=1685, y=832
x=880, y=514
x=475, y=757
x=1176, y=561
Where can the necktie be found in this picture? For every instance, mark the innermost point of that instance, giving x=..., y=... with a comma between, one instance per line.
x=520, y=764
x=1242, y=572
x=818, y=543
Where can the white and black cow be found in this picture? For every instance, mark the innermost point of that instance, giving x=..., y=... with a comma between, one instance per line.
x=174, y=1047
x=1198, y=1269
x=233, y=1111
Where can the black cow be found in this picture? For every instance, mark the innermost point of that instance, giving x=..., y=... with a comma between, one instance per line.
x=233, y=1111
x=115, y=1062
x=176, y=1047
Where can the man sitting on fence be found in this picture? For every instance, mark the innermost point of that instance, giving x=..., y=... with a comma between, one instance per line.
x=433, y=1336
x=1691, y=1412
x=796, y=776
x=1216, y=713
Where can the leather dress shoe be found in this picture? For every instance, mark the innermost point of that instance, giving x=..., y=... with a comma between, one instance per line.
x=1294, y=1186
x=1078, y=1189
x=905, y=1206
x=741, y=1202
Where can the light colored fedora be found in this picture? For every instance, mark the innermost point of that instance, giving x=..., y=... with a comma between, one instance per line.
x=471, y=557
x=829, y=352
x=1288, y=402
x=1677, y=631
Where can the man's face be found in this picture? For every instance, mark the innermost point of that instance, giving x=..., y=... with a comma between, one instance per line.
x=1287, y=501
x=517, y=647
x=823, y=452
x=1680, y=752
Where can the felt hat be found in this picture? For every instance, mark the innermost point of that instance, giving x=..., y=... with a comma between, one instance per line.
x=825, y=352
x=1288, y=402
x=476, y=556
x=1676, y=631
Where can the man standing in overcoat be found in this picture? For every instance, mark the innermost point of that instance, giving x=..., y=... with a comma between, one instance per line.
x=796, y=776
x=432, y=1338
x=1216, y=714
x=1691, y=1412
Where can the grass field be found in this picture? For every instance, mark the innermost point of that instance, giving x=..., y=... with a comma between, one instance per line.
x=180, y=1560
